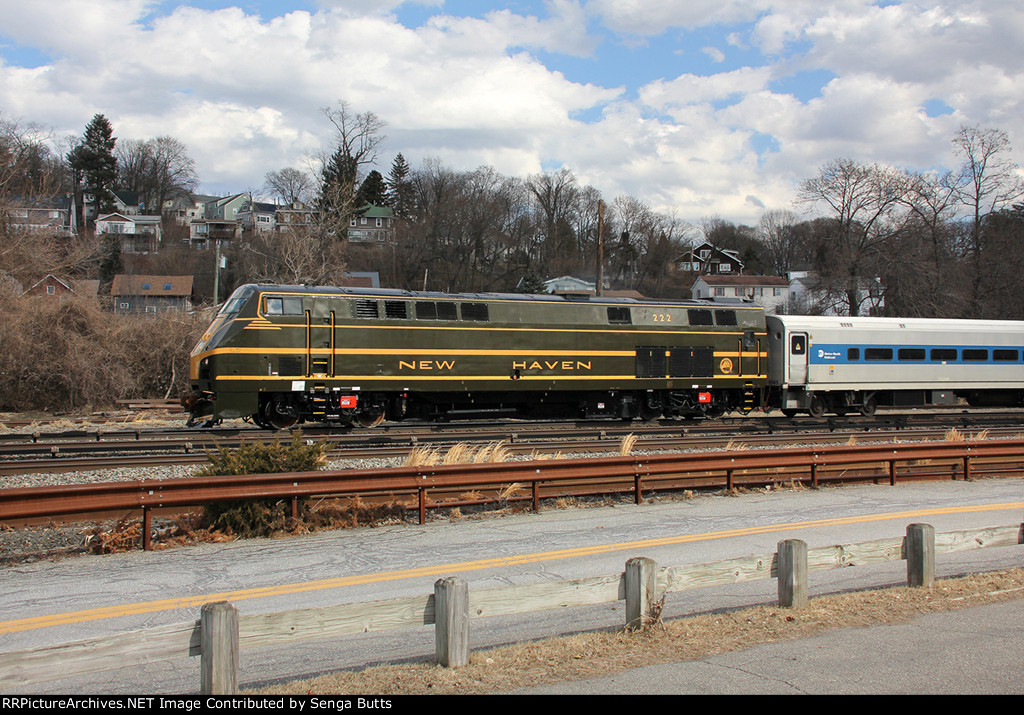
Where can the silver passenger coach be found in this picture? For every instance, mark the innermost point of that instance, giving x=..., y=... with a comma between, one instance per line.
x=822, y=364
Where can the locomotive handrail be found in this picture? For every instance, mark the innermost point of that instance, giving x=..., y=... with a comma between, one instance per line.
x=29, y=502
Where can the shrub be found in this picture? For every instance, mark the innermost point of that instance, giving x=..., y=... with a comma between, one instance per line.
x=261, y=517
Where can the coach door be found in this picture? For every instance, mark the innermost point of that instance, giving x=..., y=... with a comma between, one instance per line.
x=797, y=358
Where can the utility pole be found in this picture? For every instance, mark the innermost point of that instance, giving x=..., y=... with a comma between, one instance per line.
x=221, y=262
x=600, y=248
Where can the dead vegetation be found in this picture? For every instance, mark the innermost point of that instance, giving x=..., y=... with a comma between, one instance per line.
x=591, y=655
x=70, y=354
x=459, y=453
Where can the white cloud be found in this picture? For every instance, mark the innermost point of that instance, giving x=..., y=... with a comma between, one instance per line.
x=245, y=92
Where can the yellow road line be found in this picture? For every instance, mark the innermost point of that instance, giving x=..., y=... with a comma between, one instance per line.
x=169, y=604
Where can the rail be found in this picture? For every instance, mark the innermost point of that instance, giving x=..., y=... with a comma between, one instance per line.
x=728, y=469
x=221, y=632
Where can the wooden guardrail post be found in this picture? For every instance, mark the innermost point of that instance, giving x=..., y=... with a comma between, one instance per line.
x=791, y=566
x=920, y=545
x=218, y=626
x=641, y=585
x=451, y=622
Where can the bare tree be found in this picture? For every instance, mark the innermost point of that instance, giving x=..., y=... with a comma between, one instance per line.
x=305, y=258
x=778, y=231
x=357, y=142
x=986, y=182
x=862, y=201
x=29, y=168
x=290, y=185
x=157, y=169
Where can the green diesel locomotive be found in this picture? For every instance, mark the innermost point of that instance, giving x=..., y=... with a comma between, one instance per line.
x=279, y=355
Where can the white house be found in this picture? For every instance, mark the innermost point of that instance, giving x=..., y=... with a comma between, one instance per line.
x=770, y=292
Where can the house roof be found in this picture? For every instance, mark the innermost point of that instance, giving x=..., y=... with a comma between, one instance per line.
x=50, y=278
x=371, y=211
x=168, y=286
x=128, y=219
x=718, y=280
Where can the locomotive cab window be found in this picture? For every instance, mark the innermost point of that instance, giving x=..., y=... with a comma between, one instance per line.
x=278, y=305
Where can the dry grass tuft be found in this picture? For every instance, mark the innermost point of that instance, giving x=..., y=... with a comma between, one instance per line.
x=627, y=445
x=461, y=453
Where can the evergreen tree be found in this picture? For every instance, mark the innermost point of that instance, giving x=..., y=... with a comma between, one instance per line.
x=372, y=191
x=400, y=188
x=110, y=262
x=94, y=163
x=531, y=284
x=337, y=194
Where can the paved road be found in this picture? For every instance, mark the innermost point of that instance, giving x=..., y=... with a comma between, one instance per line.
x=973, y=651
x=90, y=597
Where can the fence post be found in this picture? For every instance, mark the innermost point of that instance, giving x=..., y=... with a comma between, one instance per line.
x=641, y=585
x=791, y=569
x=451, y=622
x=921, y=555
x=218, y=628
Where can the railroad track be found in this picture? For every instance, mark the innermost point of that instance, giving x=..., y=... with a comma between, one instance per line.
x=90, y=450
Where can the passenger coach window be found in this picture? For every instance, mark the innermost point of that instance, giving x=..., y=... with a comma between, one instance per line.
x=943, y=354
x=853, y=353
x=911, y=353
x=878, y=353
x=975, y=355
x=620, y=316
x=1003, y=355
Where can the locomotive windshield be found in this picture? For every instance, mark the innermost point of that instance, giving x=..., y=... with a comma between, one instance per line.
x=237, y=299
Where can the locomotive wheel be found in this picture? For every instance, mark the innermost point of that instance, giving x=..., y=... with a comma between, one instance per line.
x=651, y=408
x=370, y=419
x=275, y=415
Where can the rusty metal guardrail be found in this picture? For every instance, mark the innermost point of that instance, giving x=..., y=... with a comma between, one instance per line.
x=727, y=469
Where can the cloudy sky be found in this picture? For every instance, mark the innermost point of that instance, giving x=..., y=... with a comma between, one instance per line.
x=697, y=107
